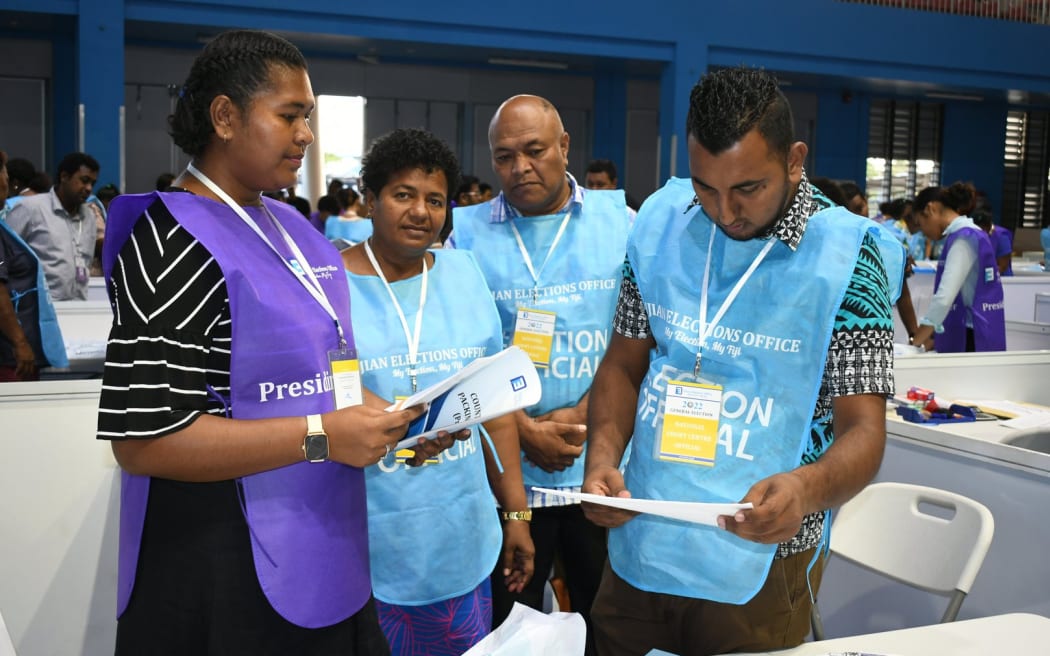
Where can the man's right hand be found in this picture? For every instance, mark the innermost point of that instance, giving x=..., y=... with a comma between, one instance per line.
x=551, y=445
x=607, y=482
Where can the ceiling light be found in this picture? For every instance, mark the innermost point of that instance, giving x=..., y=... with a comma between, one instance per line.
x=954, y=96
x=529, y=63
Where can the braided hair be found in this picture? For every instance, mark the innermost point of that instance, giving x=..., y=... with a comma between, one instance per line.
x=728, y=103
x=236, y=64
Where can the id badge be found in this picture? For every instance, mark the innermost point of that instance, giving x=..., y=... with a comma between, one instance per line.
x=346, y=378
x=534, y=334
x=690, y=427
x=82, y=275
x=402, y=455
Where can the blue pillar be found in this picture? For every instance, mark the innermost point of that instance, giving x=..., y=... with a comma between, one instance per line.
x=676, y=81
x=100, y=84
x=610, y=119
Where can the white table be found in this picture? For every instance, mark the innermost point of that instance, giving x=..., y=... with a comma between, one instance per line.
x=1014, y=634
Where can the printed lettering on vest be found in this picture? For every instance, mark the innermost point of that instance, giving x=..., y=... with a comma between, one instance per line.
x=440, y=361
x=279, y=391
x=576, y=348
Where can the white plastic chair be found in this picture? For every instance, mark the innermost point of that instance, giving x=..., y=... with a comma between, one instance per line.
x=884, y=529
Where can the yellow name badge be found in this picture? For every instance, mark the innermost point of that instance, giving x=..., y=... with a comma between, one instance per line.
x=534, y=334
x=690, y=431
x=346, y=378
x=404, y=455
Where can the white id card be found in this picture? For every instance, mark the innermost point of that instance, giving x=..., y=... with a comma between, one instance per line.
x=346, y=378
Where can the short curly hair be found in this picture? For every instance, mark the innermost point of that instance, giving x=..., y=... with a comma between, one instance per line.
x=236, y=64
x=408, y=148
x=728, y=103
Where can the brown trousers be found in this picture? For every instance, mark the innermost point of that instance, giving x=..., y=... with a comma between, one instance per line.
x=630, y=622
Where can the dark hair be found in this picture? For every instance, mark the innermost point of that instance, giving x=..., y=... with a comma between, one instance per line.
x=894, y=208
x=72, y=162
x=982, y=213
x=960, y=197
x=40, y=183
x=829, y=188
x=107, y=192
x=408, y=148
x=328, y=204
x=484, y=186
x=236, y=64
x=164, y=181
x=602, y=166
x=465, y=183
x=728, y=103
x=300, y=204
x=3, y=161
x=19, y=172
x=850, y=189
x=346, y=197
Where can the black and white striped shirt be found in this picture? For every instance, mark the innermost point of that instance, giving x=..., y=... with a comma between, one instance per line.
x=168, y=355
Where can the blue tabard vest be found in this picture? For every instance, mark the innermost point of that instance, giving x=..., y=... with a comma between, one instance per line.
x=768, y=351
x=352, y=231
x=987, y=314
x=50, y=332
x=580, y=283
x=434, y=531
x=306, y=521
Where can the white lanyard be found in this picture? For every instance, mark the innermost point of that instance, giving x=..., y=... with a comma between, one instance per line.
x=550, y=251
x=413, y=340
x=707, y=328
x=304, y=273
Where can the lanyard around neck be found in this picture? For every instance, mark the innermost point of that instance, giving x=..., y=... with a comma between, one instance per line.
x=413, y=340
x=550, y=251
x=303, y=273
x=707, y=328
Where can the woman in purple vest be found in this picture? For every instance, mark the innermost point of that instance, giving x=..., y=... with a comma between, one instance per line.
x=243, y=524
x=966, y=311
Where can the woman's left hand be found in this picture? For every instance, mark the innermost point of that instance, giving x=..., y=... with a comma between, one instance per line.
x=518, y=555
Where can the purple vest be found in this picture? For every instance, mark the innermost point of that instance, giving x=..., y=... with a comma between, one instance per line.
x=986, y=313
x=307, y=521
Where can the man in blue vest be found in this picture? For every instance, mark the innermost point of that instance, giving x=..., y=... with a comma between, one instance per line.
x=750, y=361
x=552, y=254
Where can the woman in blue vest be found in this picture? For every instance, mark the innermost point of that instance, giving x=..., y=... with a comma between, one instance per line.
x=418, y=316
x=30, y=338
x=966, y=312
x=347, y=224
x=242, y=525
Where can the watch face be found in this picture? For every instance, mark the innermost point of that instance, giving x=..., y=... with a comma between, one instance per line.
x=316, y=447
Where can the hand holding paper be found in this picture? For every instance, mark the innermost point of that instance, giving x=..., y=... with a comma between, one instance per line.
x=486, y=388
x=686, y=511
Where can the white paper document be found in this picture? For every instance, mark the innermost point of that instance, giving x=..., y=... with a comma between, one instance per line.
x=486, y=388
x=686, y=511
